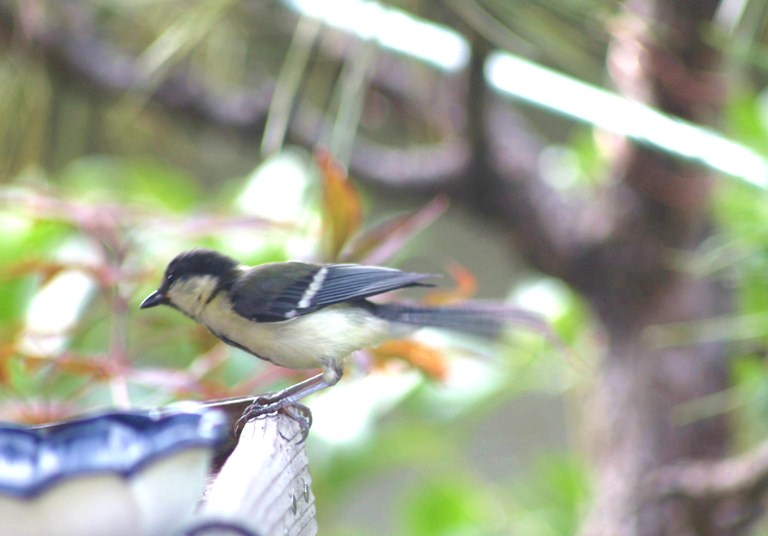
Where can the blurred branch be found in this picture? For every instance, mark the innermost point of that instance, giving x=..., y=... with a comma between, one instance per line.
x=732, y=489
x=504, y=180
x=740, y=476
x=74, y=50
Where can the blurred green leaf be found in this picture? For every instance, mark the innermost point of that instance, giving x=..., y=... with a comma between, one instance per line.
x=750, y=379
x=25, y=242
x=745, y=118
x=16, y=294
x=554, y=494
x=25, y=237
x=446, y=506
x=144, y=181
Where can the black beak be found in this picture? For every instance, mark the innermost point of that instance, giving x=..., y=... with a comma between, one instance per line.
x=153, y=300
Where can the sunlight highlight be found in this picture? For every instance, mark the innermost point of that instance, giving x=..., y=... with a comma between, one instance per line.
x=276, y=190
x=392, y=28
x=543, y=87
x=54, y=312
x=362, y=400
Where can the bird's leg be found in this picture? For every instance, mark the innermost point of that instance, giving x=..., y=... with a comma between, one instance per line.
x=286, y=401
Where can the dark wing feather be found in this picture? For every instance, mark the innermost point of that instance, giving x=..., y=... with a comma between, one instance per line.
x=280, y=291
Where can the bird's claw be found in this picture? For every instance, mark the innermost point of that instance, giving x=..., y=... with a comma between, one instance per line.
x=301, y=415
x=265, y=406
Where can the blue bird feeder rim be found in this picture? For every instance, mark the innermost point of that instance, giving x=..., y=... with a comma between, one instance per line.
x=35, y=458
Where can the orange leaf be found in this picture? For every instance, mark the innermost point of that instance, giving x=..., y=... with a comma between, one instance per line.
x=43, y=268
x=7, y=352
x=95, y=367
x=466, y=284
x=99, y=368
x=429, y=360
x=342, y=209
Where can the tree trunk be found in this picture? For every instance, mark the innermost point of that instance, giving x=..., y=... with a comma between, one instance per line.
x=635, y=428
x=622, y=251
x=659, y=55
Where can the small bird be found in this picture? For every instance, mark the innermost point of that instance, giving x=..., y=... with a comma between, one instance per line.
x=301, y=315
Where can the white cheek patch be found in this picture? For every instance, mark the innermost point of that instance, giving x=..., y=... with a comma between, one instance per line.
x=191, y=294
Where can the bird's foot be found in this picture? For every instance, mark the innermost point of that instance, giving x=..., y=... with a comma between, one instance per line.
x=267, y=405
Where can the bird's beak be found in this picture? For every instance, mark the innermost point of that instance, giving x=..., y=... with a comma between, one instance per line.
x=153, y=300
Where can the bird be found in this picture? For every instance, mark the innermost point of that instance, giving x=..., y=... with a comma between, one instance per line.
x=302, y=315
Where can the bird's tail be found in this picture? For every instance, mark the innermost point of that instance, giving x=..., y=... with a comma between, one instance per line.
x=477, y=318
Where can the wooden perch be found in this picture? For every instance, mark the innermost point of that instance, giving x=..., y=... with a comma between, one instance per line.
x=264, y=484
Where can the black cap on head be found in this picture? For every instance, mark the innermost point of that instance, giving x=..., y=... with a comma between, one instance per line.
x=199, y=262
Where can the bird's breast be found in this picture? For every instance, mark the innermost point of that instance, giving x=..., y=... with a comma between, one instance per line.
x=307, y=341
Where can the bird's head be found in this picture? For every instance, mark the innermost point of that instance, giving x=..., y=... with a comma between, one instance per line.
x=191, y=279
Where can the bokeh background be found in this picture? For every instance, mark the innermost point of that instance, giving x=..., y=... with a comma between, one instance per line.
x=599, y=162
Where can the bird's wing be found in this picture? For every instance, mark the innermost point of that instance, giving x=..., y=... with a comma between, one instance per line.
x=281, y=291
